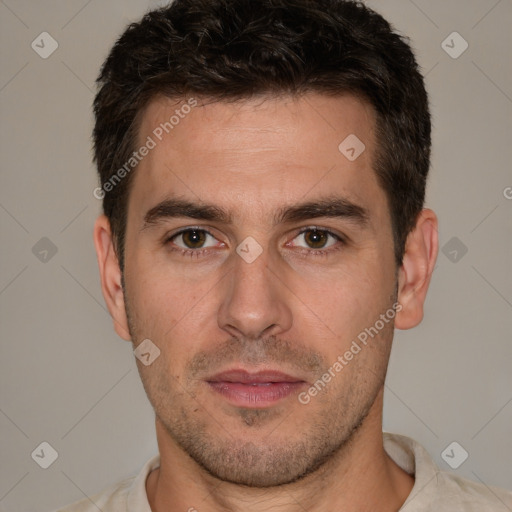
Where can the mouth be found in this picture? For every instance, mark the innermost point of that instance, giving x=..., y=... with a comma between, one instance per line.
x=254, y=390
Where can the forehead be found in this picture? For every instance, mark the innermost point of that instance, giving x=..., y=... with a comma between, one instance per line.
x=255, y=153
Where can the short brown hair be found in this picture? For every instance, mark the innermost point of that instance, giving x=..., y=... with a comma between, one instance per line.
x=234, y=49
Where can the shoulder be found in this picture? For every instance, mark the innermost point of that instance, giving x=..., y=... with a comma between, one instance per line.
x=435, y=490
x=126, y=496
x=112, y=499
x=457, y=493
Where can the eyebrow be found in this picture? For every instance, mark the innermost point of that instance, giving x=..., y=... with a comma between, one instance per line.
x=171, y=208
x=333, y=207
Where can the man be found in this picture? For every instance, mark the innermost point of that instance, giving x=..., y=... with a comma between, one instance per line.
x=263, y=167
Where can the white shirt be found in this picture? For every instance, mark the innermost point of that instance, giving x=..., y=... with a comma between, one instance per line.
x=434, y=490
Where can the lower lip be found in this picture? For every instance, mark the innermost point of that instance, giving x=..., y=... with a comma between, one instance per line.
x=255, y=396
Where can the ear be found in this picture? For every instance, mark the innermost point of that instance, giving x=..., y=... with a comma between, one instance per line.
x=416, y=270
x=110, y=274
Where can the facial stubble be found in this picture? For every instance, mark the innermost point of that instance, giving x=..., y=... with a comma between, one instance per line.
x=287, y=452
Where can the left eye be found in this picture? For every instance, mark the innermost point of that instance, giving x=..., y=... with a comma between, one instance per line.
x=194, y=239
x=316, y=239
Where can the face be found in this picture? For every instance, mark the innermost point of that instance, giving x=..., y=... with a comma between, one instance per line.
x=257, y=254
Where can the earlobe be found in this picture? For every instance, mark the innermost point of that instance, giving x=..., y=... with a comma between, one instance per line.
x=110, y=275
x=416, y=270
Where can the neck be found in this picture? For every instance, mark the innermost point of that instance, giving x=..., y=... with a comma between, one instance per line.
x=360, y=476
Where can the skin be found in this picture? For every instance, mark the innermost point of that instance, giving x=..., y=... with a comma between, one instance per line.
x=292, y=309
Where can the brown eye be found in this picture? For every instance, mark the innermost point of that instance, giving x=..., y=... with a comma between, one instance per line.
x=194, y=238
x=316, y=239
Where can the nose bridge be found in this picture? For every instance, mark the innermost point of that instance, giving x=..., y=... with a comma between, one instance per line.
x=254, y=303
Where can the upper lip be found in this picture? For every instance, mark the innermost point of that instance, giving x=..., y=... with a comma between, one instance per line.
x=245, y=377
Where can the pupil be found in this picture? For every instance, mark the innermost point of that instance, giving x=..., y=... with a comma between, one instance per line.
x=194, y=238
x=316, y=239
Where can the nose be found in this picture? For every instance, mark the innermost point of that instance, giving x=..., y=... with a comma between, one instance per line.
x=255, y=301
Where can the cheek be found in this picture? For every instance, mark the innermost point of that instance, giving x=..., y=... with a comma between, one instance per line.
x=170, y=308
x=343, y=300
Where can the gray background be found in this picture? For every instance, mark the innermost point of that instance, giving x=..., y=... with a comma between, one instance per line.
x=67, y=379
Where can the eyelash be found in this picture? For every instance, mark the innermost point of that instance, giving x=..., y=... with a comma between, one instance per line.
x=192, y=253
x=198, y=252
x=321, y=252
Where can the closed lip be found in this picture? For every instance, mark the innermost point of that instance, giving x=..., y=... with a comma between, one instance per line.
x=260, y=389
x=261, y=377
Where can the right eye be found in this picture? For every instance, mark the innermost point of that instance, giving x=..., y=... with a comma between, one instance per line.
x=192, y=238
